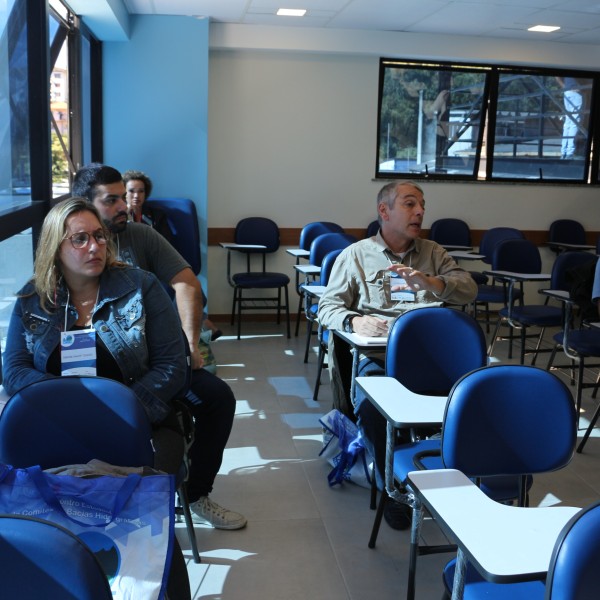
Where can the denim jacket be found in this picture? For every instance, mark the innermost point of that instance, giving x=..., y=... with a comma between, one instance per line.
x=135, y=319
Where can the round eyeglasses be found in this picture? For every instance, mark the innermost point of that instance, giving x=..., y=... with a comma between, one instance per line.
x=82, y=238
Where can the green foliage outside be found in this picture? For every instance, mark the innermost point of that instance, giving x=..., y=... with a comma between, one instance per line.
x=60, y=170
x=406, y=89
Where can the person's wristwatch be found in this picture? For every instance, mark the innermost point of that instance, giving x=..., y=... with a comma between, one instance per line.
x=348, y=324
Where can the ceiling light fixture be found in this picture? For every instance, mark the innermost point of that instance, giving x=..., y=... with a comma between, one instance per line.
x=544, y=28
x=291, y=12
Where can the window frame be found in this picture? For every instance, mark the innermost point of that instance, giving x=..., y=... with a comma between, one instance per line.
x=14, y=220
x=484, y=149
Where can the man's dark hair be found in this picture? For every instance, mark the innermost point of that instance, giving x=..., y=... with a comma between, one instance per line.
x=89, y=177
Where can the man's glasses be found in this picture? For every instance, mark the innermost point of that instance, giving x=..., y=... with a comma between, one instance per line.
x=82, y=238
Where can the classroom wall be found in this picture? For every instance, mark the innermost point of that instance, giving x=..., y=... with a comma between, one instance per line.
x=156, y=106
x=292, y=136
x=282, y=122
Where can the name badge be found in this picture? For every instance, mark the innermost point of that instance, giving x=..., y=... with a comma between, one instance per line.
x=406, y=295
x=78, y=352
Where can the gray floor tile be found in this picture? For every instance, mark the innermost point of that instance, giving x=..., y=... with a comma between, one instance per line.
x=304, y=539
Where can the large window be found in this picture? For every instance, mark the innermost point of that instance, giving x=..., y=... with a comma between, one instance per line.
x=49, y=123
x=485, y=122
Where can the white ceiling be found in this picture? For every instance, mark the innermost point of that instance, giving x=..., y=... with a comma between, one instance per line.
x=579, y=20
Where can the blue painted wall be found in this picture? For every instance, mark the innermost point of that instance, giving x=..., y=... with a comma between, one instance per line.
x=156, y=107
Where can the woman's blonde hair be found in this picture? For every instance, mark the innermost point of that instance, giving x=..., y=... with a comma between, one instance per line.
x=47, y=270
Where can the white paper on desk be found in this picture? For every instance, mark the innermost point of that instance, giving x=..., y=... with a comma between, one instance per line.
x=367, y=341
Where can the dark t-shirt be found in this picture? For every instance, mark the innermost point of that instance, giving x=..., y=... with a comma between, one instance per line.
x=143, y=247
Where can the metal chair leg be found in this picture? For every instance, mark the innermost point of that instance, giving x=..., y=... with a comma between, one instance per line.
x=189, y=524
x=383, y=498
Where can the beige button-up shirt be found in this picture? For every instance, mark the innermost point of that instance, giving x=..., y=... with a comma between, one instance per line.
x=360, y=283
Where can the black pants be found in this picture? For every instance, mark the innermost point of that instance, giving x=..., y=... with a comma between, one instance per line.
x=212, y=404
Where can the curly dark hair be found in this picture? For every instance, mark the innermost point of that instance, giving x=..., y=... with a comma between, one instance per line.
x=139, y=176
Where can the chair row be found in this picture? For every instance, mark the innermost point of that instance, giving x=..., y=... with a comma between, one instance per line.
x=260, y=236
x=499, y=425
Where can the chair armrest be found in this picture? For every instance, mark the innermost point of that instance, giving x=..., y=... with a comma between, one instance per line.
x=417, y=458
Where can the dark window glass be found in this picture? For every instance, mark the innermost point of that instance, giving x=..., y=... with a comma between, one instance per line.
x=542, y=126
x=447, y=121
x=431, y=120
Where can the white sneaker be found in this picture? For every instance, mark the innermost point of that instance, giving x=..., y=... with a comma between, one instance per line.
x=204, y=510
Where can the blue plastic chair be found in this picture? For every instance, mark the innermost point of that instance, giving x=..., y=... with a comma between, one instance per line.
x=312, y=230
x=324, y=244
x=319, y=249
x=372, y=228
x=68, y=420
x=493, y=293
x=578, y=345
x=323, y=332
x=454, y=232
x=182, y=218
x=309, y=232
x=544, y=315
x=566, y=231
x=572, y=574
x=43, y=560
x=265, y=232
x=506, y=420
x=450, y=232
x=428, y=350
x=72, y=420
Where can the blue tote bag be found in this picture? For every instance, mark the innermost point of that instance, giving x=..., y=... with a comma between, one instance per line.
x=128, y=522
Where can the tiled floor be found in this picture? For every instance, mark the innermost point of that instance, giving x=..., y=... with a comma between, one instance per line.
x=305, y=540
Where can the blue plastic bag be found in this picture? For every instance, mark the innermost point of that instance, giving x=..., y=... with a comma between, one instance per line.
x=128, y=522
x=344, y=449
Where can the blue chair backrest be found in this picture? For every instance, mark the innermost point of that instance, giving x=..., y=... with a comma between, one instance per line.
x=44, y=560
x=258, y=230
x=565, y=261
x=567, y=231
x=573, y=572
x=327, y=265
x=373, y=228
x=183, y=220
x=519, y=256
x=450, y=231
x=324, y=244
x=429, y=349
x=495, y=235
x=312, y=230
x=70, y=420
x=508, y=420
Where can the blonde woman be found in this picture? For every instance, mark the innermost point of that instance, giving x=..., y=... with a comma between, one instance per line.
x=78, y=288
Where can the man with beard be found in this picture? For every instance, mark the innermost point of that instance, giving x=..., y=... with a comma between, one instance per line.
x=210, y=399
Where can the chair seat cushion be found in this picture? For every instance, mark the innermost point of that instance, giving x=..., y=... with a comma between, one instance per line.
x=586, y=342
x=500, y=488
x=536, y=314
x=260, y=280
x=403, y=458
